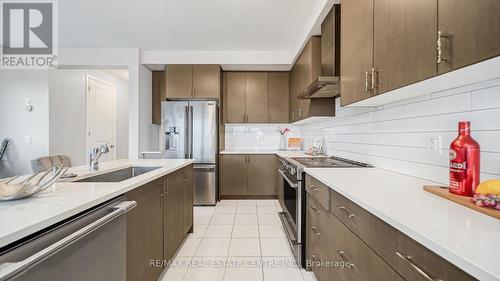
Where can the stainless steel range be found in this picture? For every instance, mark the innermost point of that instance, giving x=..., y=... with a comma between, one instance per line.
x=292, y=195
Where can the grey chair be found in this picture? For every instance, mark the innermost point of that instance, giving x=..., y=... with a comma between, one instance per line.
x=45, y=163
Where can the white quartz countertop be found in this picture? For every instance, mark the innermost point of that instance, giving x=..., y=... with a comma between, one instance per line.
x=466, y=238
x=64, y=199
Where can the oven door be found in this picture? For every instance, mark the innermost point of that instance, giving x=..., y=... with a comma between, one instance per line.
x=290, y=217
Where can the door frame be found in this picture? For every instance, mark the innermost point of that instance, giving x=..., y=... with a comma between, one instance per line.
x=89, y=77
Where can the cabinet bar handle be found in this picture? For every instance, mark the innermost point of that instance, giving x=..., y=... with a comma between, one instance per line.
x=440, y=57
x=374, y=79
x=315, y=209
x=344, y=257
x=315, y=229
x=313, y=187
x=367, y=79
x=415, y=267
x=349, y=214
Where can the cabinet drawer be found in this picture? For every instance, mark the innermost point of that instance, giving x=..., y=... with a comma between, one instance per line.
x=320, y=241
x=318, y=191
x=397, y=249
x=362, y=262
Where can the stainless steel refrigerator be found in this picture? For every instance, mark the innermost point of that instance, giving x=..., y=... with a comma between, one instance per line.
x=190, y=132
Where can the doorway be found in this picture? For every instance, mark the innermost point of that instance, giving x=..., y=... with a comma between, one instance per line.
x=101, y=115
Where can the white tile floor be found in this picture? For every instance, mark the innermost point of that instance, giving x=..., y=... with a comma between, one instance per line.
x=237, y=240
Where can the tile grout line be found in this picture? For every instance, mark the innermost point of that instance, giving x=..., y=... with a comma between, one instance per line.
x=260, y=244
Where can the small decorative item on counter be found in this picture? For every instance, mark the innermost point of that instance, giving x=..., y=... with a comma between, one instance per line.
x=464, y=162
x=488, y=194
x=283, y=131
x=294, y=143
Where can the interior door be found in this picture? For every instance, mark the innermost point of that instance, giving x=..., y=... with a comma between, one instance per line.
x=234, y=97
x=206, y=81
x=256, y=97
x=472, y=28
x=174, y=122
x=405, y=42
x=204, y=131
x=179, y=79
x=101, y=112
x=356, y=49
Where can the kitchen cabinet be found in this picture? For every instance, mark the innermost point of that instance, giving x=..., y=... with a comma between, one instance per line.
x=184, y=81
x=389, y=44
x=261, y=175
x=248, y=176
x=356, y=50
x=159, y=223
x=304, y=72
x=278, y=90
x=255, y=97
x=470, y=32
x=404, y=47
x=144, y=232
x=233, y=171
x=338, y=229
x=173, y=225
x=158, y=91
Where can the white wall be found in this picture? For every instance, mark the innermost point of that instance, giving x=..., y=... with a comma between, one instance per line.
x=396, y=136
x=17, y=124
x=67, y=111
x=256, y=136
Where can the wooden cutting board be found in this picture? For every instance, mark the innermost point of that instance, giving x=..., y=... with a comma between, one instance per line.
x=462, y=200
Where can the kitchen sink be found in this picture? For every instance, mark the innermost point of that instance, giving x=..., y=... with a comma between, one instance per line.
x=120, y=175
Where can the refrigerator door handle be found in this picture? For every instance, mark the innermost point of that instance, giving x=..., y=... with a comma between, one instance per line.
x=190, y=132
x=186, y=133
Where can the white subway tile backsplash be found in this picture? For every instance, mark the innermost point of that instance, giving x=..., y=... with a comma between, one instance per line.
x=397, y=136
x=257, y=136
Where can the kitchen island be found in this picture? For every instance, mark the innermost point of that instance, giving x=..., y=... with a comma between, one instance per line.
x=67, y=198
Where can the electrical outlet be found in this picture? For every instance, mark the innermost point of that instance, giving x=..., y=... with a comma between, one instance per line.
x=435, y=144
x=28, y=139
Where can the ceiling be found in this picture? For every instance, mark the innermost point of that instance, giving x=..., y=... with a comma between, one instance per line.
x=166, y=26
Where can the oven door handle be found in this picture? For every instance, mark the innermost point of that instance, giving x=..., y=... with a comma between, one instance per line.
x=293, y=185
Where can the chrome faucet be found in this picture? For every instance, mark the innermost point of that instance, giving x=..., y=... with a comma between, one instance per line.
x=95, y=154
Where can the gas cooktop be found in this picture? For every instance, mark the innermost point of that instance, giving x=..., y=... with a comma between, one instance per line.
x=329, y=162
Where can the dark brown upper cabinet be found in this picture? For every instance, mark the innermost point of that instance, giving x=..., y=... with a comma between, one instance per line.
x=184, y=81
x=306, y=69
x=255, y=97
x=469, y=32
x=388, y=44
x=159, y=95
x=404, y=47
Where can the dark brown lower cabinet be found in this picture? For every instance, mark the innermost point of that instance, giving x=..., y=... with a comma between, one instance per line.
x=159, y=223
x=248, y=176
x=376, y=251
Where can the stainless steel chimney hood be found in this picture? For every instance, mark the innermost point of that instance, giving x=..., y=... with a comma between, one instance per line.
x=322, y=87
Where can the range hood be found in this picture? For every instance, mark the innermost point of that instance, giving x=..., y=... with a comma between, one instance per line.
x=322, y=87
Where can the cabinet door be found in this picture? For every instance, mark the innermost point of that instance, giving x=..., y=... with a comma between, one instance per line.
x=179, y=81
x=404, y=42
x=256, y=97
x=473, y=31
x=233, y=174
x=173, y=226
x=144, y=232
x=158, y=92
x=293, y=94
x=206, y=81
x=188, y=199
x=261, y=175
x=234, y=97
x=278, y=90
x=356, y=49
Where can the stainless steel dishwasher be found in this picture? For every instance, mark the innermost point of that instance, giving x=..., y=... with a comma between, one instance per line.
x=89, y=246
